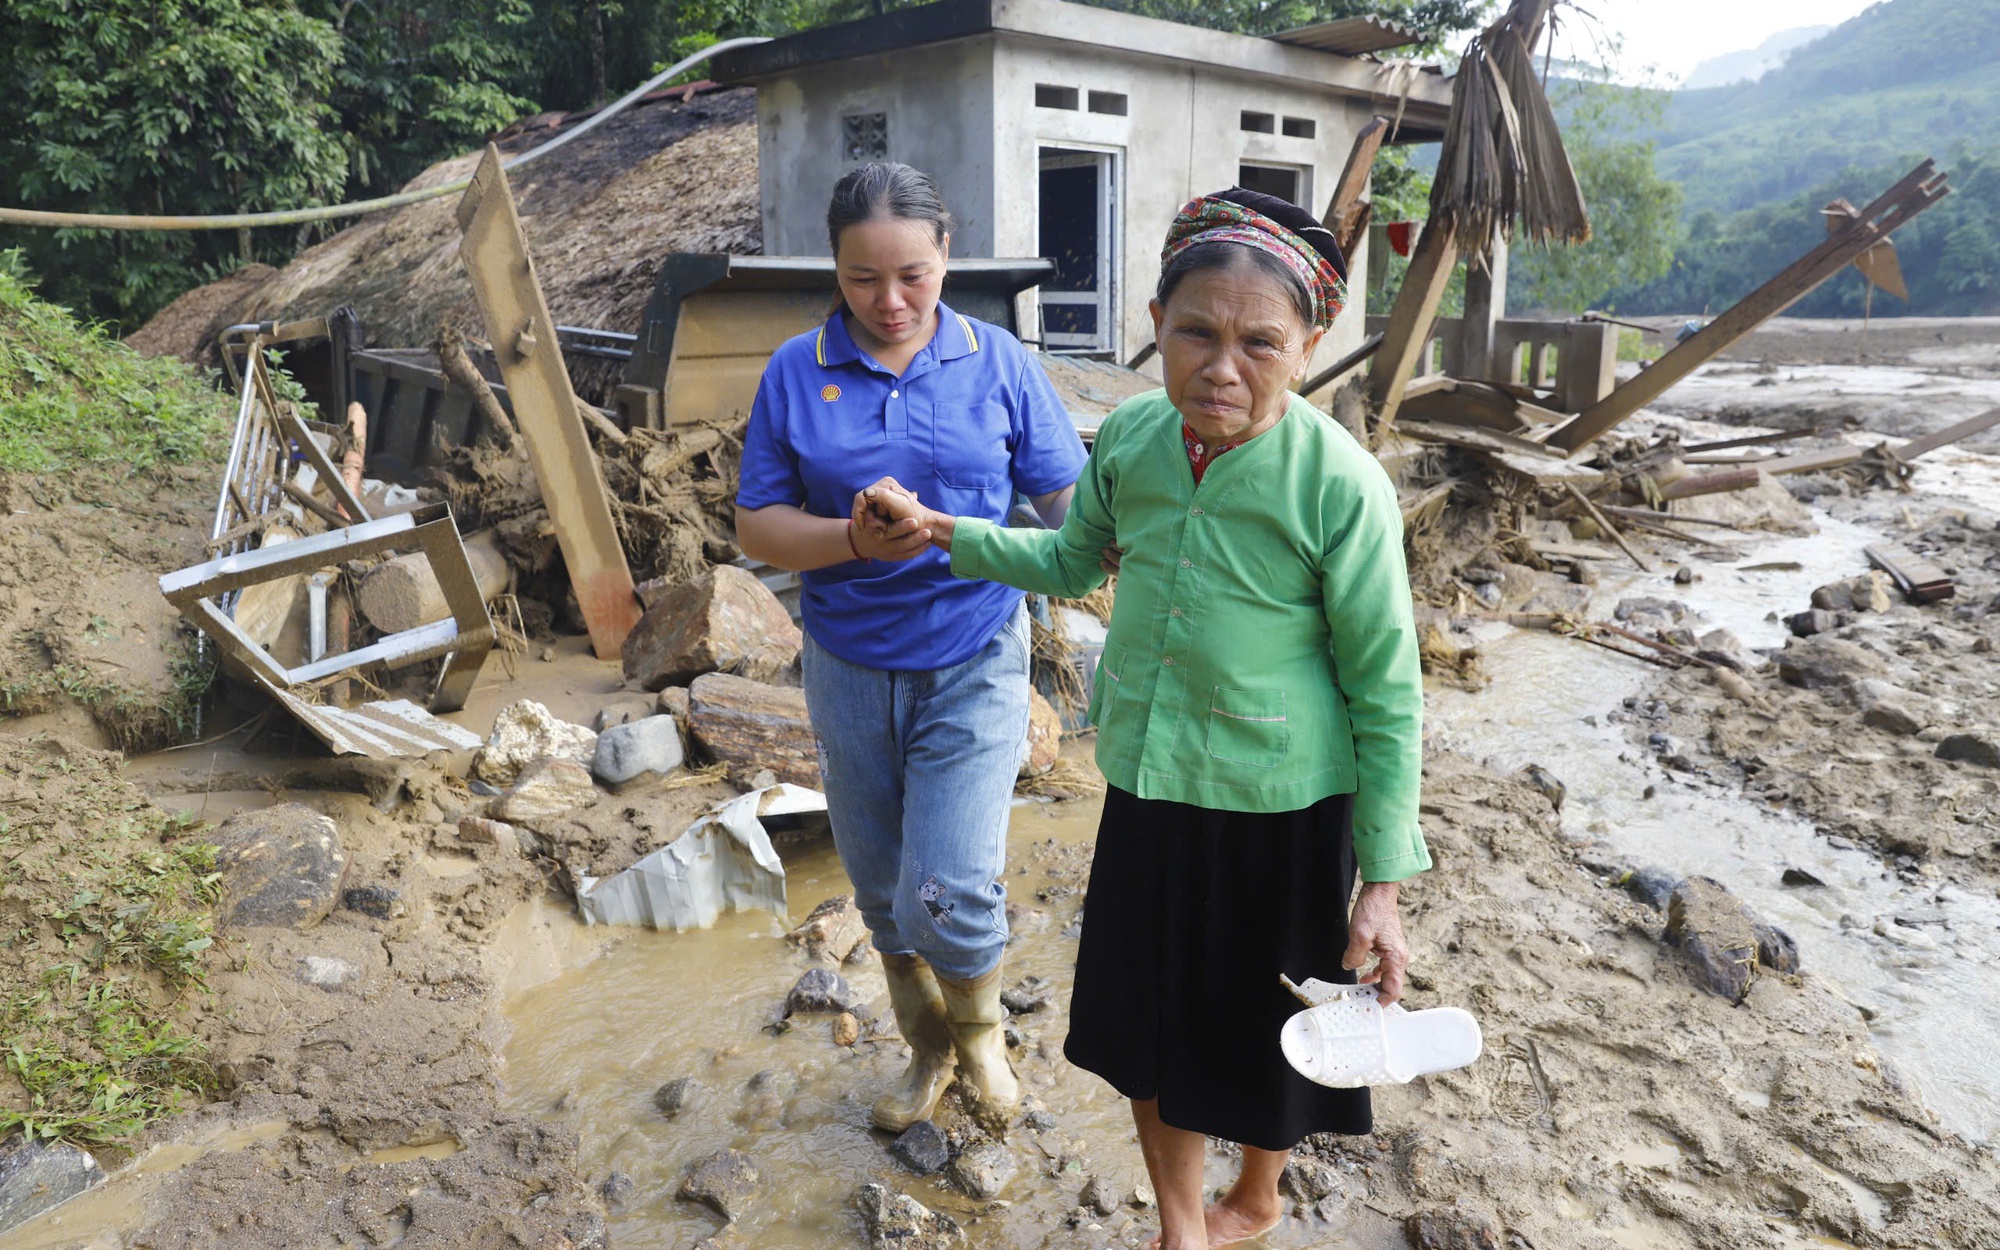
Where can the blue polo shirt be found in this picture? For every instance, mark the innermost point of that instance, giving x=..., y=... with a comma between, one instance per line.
x=971, y=421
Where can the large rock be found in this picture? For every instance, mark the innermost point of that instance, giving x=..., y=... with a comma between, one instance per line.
x=749, y=726
x=1726, y=941
x=526, y=732
x=648, y=745
x=546, y=789
x=40, y=1176
x=1980, y=749
x=1044, y=736
x=723, y=621
x=923, y=1148
x=899, y=1222
x=1820, y=662
x=281, y=866
x=833, y=932
x=683, y=1093
x=984, y=1170
x=1461, y=1227
x=725, y=1181
x=821, y=990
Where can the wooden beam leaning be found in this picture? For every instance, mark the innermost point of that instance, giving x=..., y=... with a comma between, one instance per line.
x=1410, y=322
x=1949, y=435
x=1917, y=191
x=1346, y=216
x=524, y=339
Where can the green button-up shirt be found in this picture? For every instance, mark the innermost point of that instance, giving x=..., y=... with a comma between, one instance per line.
x=1262, y=653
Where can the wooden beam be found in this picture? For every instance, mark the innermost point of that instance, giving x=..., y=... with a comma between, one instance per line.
x=1950, y=434
x=524, y=340
x=1346, y=205
x=1410, y=322
x=1918, y=579
x=1338, y=369
x=1917, y=191
x=1604, y=523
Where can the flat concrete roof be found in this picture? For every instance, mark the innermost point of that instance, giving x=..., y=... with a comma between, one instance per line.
x=1423, y=112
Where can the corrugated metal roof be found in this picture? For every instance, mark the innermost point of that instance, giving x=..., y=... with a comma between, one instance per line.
x=387, y=729
x=1352, y=36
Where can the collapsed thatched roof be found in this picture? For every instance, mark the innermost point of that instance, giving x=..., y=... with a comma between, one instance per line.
x=672, y=174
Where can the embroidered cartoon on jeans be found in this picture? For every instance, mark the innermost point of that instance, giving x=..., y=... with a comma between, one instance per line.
x=930, y=892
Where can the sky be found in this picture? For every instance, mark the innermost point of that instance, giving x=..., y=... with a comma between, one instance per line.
x=1674, y=36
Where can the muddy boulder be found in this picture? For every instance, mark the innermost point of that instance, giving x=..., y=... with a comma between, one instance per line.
x=722, y=621
x=833, y=932
x=983, y=1171
x=923, y=1148
x=526, y=732
x=549, y=788
x=1982, y=749
x=683, y=1093
x=750, y=727
x=37, y=1176
x=821, y=990
x=1821, y=663
x=1725, y=940
x=725, y=1181
x=651, y=744
x=281, y=867
x=899, y=1222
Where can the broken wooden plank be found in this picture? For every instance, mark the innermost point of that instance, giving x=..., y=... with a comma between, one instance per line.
x=1410, y=321
x=1476, y=439
x=524, y=340
x=1345, y=205
x=1950, y=434
x=1571, y=551
x=1604, y=523
x=1339, y=368
x=1545, y=472
x=1426, y=506
x=1710, y=484
x=1918, y=579
x=1751, y=440
x=1813, y=461
x=1917, y=191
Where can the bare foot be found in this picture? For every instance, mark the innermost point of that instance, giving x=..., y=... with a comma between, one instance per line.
x=1230, y=1224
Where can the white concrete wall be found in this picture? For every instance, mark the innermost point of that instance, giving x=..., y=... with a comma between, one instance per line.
x=939, y=102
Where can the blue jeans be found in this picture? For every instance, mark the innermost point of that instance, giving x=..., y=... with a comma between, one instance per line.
x=919, y=770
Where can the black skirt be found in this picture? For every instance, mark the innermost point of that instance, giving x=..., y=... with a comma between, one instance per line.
x=1192, y=914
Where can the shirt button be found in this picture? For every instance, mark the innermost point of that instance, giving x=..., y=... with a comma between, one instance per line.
x=894, y=394
x=1176, y=612
x=1194, y=512
x=1167, y=660
x=1187, y=564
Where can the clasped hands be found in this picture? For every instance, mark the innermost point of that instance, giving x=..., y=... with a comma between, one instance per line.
x=891, y=523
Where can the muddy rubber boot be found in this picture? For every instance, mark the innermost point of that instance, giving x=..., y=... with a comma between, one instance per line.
x=976, y=1016
x=920, y=1015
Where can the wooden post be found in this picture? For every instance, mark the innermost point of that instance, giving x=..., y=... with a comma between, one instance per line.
x=524, y=339
x=1485, y=304
x=1346, y=216
x=1410, y=322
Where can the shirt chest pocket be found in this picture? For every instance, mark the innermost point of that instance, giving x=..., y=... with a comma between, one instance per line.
x=969, y=445
x=1248, y=727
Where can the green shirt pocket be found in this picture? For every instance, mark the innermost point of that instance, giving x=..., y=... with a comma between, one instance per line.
x=1248, y=727
x=1104, y=690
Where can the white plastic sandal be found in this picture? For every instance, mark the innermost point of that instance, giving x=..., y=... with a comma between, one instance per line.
x=1346, y=1039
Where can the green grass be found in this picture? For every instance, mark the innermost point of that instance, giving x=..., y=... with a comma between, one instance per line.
x=73, y=396
x=1633, y=345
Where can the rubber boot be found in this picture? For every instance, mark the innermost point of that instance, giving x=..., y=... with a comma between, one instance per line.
x=976, y=1016
x=920, y=1015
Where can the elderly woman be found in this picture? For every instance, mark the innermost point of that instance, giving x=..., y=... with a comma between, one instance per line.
x=1259, y=710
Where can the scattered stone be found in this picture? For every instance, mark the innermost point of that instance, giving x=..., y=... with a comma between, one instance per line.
x=281, y=866
x=1461, y=1227
x=1044, y=745
x=1652, y=886
x=648, y=745
x=1813, y=621
x=326, y=972
x=1723, y=647
x=1832, y=597
x=1031, y=995
x=526, y=732
x=899, y=1222
x=1307, y=1180
x=378, y=901
x=725, y=1181
x=749, y=726
x=1012, y=1033
x=846, y=1029
x=1870, y=592
x=38, y=1176
x=1799, y=876
x=546, y=789
x=624, y=711
x=617, y=1191
x=1038, y=1121
x=820, y=989
x=832, y=932
x=1724, y=938
x=923, y=1148
x=683, y=1093
x=1894, y=718
x=673, y=701
x=1098, y=1196
x=722, y=621
x=1545, y=781
x=1822, y=663
x=1683, y=576
x=485, y=831
x=983, y=1171
x=1980, y=749
x=1141, y=1197
x=1641, y=606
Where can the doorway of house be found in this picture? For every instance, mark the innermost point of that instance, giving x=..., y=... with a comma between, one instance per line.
x=1287, y=182
x=1079, y=213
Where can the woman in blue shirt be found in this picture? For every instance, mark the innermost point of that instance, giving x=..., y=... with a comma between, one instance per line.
x=917, y=681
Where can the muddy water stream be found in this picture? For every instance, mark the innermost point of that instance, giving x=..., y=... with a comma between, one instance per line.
x=1932, y=991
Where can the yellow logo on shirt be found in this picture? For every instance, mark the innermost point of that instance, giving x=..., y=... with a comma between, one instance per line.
x=829, y=392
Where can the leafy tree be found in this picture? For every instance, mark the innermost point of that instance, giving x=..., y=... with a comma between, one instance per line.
x=1634, y=213
x=159, y=106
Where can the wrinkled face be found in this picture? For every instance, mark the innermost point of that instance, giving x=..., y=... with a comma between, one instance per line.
x=890, y=271
x=1231, y=344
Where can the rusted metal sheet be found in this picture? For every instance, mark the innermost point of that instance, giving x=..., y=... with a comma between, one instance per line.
x=386, y=729
x=524, y=339
x=464, y=639
x=1352, y=36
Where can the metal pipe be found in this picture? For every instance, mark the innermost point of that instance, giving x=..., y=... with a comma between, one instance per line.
x=330, y=212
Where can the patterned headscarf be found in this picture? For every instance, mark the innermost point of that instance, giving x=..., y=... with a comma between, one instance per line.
x=1215, y=219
